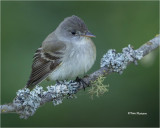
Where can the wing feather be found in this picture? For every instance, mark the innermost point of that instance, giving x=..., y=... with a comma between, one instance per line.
x=41, y=68
x=44, y=62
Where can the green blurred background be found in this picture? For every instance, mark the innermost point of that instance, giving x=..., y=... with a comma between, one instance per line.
x=115, y=24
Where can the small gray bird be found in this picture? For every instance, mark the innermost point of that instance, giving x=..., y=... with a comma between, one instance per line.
x=65, y=54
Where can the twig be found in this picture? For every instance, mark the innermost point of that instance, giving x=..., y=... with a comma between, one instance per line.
x=26, y=102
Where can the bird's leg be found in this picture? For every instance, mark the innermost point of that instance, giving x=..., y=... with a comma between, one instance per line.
x=80, y=81
x=57, y=81
x=86, y=75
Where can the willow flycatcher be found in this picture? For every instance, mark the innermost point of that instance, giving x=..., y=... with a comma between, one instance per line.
x=65, y=54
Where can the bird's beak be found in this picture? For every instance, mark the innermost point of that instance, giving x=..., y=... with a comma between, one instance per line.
x=89, y=34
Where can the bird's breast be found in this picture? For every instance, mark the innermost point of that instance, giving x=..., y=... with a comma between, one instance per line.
x=78, y=59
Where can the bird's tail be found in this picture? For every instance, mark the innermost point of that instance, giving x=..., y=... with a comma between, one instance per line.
x=30, y=87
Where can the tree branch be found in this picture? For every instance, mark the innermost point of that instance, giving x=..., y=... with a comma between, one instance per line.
x=27, y=102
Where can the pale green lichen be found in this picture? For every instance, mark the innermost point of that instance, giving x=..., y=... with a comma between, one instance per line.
x=117, y=62
x=27, y=102
x=98, y=88
x=3, y=110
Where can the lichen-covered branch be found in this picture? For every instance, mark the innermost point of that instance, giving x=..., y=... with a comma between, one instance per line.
x=27, y=102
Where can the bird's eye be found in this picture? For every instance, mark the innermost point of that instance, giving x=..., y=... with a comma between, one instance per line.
x=73, y=33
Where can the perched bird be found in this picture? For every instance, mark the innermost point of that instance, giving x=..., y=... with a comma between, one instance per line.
x=65, y=53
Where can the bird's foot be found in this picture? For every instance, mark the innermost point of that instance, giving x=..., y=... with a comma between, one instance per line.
x=58, y=82
x=81, y=82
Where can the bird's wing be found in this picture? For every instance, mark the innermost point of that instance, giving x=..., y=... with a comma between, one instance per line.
x=45, y=61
